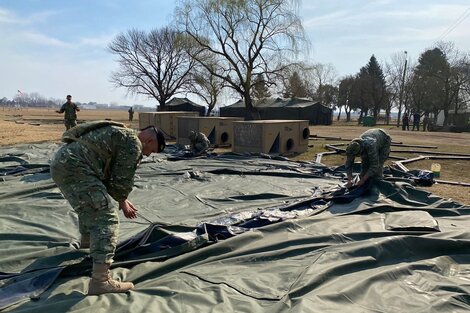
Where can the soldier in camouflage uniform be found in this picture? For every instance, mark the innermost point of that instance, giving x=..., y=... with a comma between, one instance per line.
x=199, y=143
x=98, y=163
x=373, y=147
x=70, y=116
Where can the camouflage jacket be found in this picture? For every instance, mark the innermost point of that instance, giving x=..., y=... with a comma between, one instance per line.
x=375, y=144
x=112, y=153
x=199, y=143
x=70, y=110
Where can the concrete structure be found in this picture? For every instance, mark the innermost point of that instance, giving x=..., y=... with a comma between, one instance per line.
x=271, y=136
x=219, y=130
x=166, y=121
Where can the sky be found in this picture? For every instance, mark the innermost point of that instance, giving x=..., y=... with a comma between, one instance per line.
x=57, y=47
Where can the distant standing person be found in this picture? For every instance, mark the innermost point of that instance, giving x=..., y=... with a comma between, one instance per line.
x=405, y=122
x=416, y=118
x=70, y=116
x=131, y=114
x=425, y=122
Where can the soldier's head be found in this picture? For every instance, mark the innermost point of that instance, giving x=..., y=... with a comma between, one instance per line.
x=152, y=139
x=354, y=148
x=192, y=135
x=69, y=98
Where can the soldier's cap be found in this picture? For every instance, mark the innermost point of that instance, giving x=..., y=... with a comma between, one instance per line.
x=354, y=147
x=161, y=143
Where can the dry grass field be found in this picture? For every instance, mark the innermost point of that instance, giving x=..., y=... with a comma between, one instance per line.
x=41, y=125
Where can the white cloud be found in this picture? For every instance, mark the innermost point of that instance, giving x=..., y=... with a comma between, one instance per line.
x=432, y=14
x=99, y=41
x=8, y=17
x=43, y=16
x=39, y=39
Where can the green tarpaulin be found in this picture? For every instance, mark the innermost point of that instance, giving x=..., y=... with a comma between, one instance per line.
x=236, y=233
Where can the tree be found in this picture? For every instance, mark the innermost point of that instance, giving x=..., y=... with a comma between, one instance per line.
x=329, y=95
x=398, y=75
x=320, y=75
x=294, y=81
x=360, y=97
x=441, y=77
x=294, y=87
x=207, y=86
x=457, y=81
x=251, y=37
x=375, y=88
x=157, y=64
x=345, y=96
x=260, y=90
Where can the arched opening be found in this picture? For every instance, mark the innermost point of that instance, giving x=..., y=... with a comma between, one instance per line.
x=290, y=144
x=224, y=137
x=306, y=133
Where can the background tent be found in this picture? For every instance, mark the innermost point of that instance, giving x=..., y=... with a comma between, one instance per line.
x=182, y=104
x=287, y=109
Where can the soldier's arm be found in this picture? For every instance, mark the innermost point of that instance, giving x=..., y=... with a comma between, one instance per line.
x=348, y=165
x=76, y=108
x=126, y=157
x=62, y=109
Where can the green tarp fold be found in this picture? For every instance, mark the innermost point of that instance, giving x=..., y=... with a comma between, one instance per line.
x=236, y=233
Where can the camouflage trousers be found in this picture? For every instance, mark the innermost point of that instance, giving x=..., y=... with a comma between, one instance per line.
x=70, y=123
x=88, y=197
x=383, y=153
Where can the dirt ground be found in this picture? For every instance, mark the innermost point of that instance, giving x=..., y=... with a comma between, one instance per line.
x=42, y=125
x=39, y=125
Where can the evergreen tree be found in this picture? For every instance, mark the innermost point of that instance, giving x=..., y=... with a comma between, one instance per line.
x=295, y=87
x=376, y=89
x=260, y=90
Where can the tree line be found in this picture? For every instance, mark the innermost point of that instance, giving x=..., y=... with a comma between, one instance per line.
x=33, y=99
x=438, y=81
x=246, y=48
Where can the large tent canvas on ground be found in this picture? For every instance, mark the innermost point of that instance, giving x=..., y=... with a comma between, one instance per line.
x=236, y=233
x=284, y=109
x=183, y=104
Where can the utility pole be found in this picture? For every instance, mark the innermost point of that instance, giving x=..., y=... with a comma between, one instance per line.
x=402, y=89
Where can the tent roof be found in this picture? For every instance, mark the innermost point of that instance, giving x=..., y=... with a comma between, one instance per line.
x=179, y=101
x=278, y=103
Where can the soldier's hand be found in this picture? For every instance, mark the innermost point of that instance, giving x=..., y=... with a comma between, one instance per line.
x=129, y=210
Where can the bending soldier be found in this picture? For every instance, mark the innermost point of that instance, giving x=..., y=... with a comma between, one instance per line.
x=99, y=162
x=199, y=143
x=373, y=146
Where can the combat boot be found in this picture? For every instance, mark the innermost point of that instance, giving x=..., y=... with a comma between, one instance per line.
x=102, y=282
x=85, y=241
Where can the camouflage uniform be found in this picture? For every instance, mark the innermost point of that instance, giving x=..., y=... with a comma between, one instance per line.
x=199, y=143
x=374, y=150
x=101, y=164
x=70, y=116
